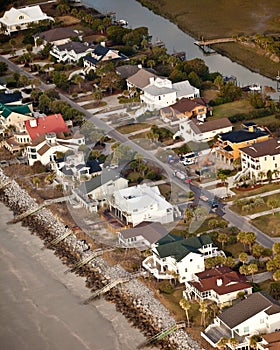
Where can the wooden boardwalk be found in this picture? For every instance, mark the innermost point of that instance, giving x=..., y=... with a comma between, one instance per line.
x=214, y=41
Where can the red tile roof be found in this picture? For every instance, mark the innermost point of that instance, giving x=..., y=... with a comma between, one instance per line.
x=43, y=125
x=231, y=281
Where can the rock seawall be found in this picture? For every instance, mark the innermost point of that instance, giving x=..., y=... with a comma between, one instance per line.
x=133, y=299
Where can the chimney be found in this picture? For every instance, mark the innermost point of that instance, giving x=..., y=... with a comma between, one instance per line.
x=219, y=282
x=139, y=66
x=102, y=43
x=152, y=80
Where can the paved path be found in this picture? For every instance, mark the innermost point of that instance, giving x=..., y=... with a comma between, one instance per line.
x=262, y=213
x=261, y=277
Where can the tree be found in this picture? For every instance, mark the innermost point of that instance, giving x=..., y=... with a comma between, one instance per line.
x=222, y=343
x=36, y=181
x=213, y=223
x=219, y=82
x=261, y=175
x=276, y=276
x=241, y=237
x=185, y=305
x=257, y=250
x=44, y=103
x=230, y=91
x=97, y=95
x=3, y=67
x=243, y=257
x=244, y=270
x=252, y=268
x=233, y=342
x=269, y=175
x=110, y=81
x=276, y=248
x=203, y=310
x=256, y=100
x=250, y=239
x=222, y=238
x=78, y=80
x=188, y=214
x=272, y=204
x=271, y=266
x=254, y=340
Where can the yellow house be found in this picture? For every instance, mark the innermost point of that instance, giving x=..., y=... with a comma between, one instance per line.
x=230, y=143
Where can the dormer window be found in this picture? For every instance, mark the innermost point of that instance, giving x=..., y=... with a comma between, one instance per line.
x=21, y=17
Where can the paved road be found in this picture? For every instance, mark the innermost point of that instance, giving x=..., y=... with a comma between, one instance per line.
x=233, y=218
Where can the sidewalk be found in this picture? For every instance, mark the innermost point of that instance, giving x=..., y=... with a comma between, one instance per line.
x=262, y=213
x=260, y=277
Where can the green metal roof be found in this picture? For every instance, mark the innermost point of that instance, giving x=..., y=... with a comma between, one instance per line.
x=178, y=247
x=6, y=110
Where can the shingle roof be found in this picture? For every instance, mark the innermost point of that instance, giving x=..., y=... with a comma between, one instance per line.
x=270, y=147
x=249, y=307
x=76, y=46
x=10, y=97
x=210, y=125
x=151, y=231
x=187, y=104
x=237, y=136
x=141, y=79
x=178, y=247
x=127, y=70
x=57, y=34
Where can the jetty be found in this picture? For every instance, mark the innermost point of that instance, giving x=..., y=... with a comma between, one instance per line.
x=205, y=45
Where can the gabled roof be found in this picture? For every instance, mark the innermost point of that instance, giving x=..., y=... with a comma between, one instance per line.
x=29, y=14
x=75, y=46
x=57, y=34
x=127, y=70
x=248, y=308
x=179, y=247
x=184, y=88
x=6, y=110
x=230, y=281
x=269, y=147
x=99, y=180
x=187, y=104
x=7, y=97
x=151, y=231
x=272, y=341
x=100, y=51
x=211, y=125
x=237, y=136
x=43, y=125
x=141, y=79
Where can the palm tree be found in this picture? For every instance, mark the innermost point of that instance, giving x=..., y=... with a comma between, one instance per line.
x=233, y=342
x=276, y=248
x=243, y=257
x=185, y=305
x=203, y=310
x=222, y=343
x=261, y=175
x=222, y=238
x=276, y=173
x=272, y=203
x=36, y=181
x=250, y=239
x=276, y=276
x=252, y=268
x=244, y=270
x=78, y=80
x=241, y=237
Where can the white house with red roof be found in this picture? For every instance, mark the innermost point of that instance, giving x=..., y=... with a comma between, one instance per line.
x=220, y=284
x=46, y=124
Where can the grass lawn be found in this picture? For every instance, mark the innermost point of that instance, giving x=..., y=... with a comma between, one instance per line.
x=264, y=207
x=127, y=129
x=94, y=104
x=68, y=20
x=231, y=108
x=235, y=249
x=269, y=224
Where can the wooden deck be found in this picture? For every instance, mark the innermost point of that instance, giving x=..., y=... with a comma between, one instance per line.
x=214, y=41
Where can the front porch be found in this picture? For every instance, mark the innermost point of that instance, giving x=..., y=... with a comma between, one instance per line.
x=155, y=269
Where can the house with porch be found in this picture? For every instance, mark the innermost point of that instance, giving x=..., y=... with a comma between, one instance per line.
x=71, y=52
x=231, y=142
x=102, y=53
x=220, y=284
x=136, y=204
x=270, y=341
x=45, y=147
x=259, y=158
x=161, y=92
x=96, y=192
x=185, y=109
x=177, y=256
x=15, y=116
x=142, y=236
x=256, y=314
x=198, y=131
x=56, y=36
x=140, y=79
x=15, y=20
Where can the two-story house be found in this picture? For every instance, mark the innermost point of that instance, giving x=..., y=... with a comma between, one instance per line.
x=15, y=115
x=259, y=158
x=256, y=314
x=161, y=92
x=270, y=341
x=15, y=20
x=71, y=52
x=140, y=203
x=56, y=36
x=220, y=284
x=186, y=109
x=178, y=256
x=231, y=142
x=198, y=131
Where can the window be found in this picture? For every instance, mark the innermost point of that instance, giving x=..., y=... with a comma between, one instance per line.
x=190, y=260
x=261, y=320
x=273, y=158
x=21, y=17
x=275, y=165
x=246, y=329
x=265, y=158
x=186, y=270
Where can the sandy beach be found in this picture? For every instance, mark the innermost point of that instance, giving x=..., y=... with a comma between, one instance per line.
x=41, y=307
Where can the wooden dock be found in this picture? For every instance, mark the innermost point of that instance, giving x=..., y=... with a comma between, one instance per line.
x=202, y=43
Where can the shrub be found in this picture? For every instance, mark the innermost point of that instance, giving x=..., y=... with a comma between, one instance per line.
x=166, y=288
